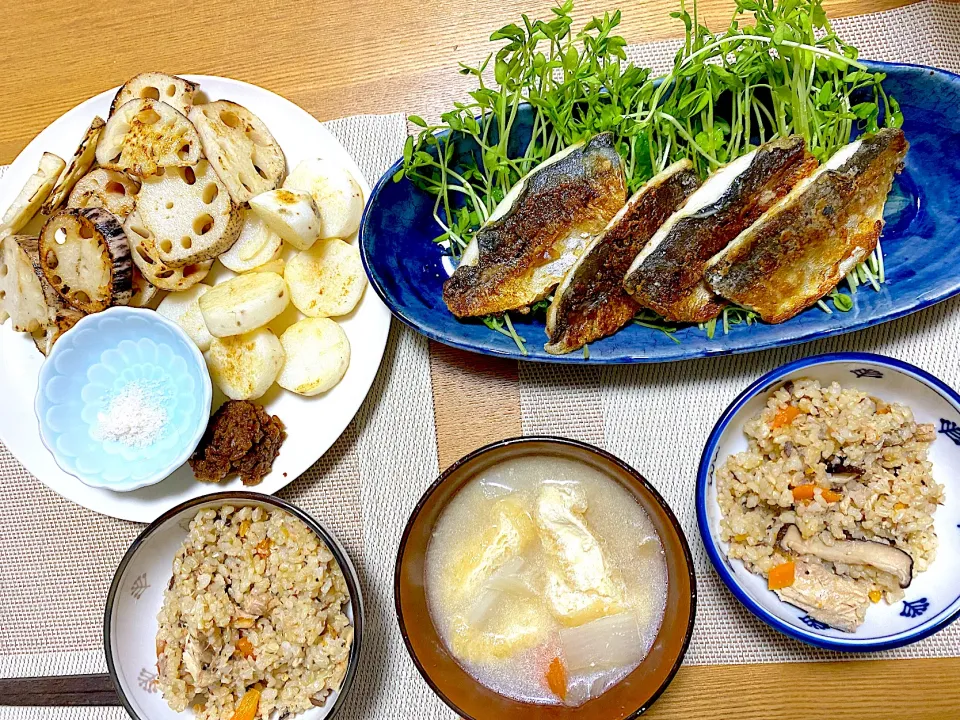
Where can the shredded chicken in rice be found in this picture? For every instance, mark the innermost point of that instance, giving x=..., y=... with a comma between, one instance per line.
x=256, y=606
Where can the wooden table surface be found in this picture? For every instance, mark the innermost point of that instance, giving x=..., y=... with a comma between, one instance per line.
x=344, y=57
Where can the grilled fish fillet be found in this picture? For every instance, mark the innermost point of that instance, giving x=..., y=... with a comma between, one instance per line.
x=667, y=275
x=539, y=229
x=804, y=245
x=590, y=302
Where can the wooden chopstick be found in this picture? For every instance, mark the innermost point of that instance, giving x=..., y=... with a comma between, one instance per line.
x=68, y=690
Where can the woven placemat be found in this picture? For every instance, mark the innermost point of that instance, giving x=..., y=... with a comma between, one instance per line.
x=658, y=417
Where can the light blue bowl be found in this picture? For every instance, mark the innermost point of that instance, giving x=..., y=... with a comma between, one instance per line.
x=93, y=362
x=933, y=599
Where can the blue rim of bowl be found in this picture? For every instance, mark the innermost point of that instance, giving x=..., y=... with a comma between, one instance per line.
x=761, y=385
x=181, y=458
x=400, y=313
x=569, y=442
x=336, y=549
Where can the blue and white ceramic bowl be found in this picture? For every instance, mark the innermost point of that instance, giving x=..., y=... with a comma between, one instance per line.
x=90, y=365
x=933, y=599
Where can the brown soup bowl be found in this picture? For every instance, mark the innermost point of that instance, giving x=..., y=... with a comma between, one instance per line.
x=465, y=695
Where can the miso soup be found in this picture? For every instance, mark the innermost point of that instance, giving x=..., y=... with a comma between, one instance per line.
x=546, y=580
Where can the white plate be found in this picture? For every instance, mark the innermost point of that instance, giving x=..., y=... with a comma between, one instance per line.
x=313, y=424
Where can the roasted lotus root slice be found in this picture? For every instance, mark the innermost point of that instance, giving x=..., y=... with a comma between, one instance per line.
x=154, y=271
x=86, y=258
x=170, y=89
x=80, y=164
x=240, y=148
x=190, y=214
x=110, y=189
x=144, y=136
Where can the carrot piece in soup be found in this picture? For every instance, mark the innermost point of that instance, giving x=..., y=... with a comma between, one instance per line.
x=782, y=576
x=803, y=492
x=557, y=678
x=785, y=416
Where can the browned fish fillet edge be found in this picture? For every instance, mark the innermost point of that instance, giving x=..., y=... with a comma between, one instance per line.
x=539, y=229
x=801, y=248
x=667, y=276
x=590, y=302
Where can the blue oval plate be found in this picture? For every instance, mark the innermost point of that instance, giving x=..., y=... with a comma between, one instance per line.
x=921, y=243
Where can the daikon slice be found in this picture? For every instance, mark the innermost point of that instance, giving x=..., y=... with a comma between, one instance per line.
x=610, y=642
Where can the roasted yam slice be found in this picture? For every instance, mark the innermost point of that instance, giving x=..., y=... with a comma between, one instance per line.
x=81, y=163
x=539, y=230
x=145, y=135
x=240, y=147
x=245, y=366
x=804, y=245
x=34, y=193
x=667, y=275
x=170, y=89
x=110, y=189
x=190, y=214
x=21, y=294
x=256, y=245
x=85, y=256
x=143, y=250
x=590, y=302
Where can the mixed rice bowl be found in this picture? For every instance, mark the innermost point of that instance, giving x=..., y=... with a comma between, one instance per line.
x=254, y=617
x=833, y=501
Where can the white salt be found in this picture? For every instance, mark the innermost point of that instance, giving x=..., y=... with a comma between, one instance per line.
x=135, y=416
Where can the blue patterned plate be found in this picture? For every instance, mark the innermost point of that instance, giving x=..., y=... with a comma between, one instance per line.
x=933, y=599
x=921, y=243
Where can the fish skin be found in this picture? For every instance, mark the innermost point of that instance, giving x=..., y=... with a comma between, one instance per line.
x=523, y=254
x=800, y=249
x=590, y=302
x=670, y=278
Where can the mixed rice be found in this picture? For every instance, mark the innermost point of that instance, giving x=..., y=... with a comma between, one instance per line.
x=862, y=469
x=256, y=603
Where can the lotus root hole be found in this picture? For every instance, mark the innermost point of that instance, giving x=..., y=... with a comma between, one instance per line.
x=166, y=245
x=52, y=260
x=81, y=297
x=3, y=269
x=148, y=116
x=229, y=119
x=203, y=224
x=164, y=274
x=169, y=205
x=245, y=184
x=171, y=90
x=210, y=193
x=86, y=232
x=115, y=187
x=3, y=294
x=56, y=280
x=191, y=270
x=256, y=137
x=142, y=232
x=189, y=176
x=60, y=236
x=150, y=93
x=184, y=152
x=186, y=243
x=143, y=254
x=260, y=172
